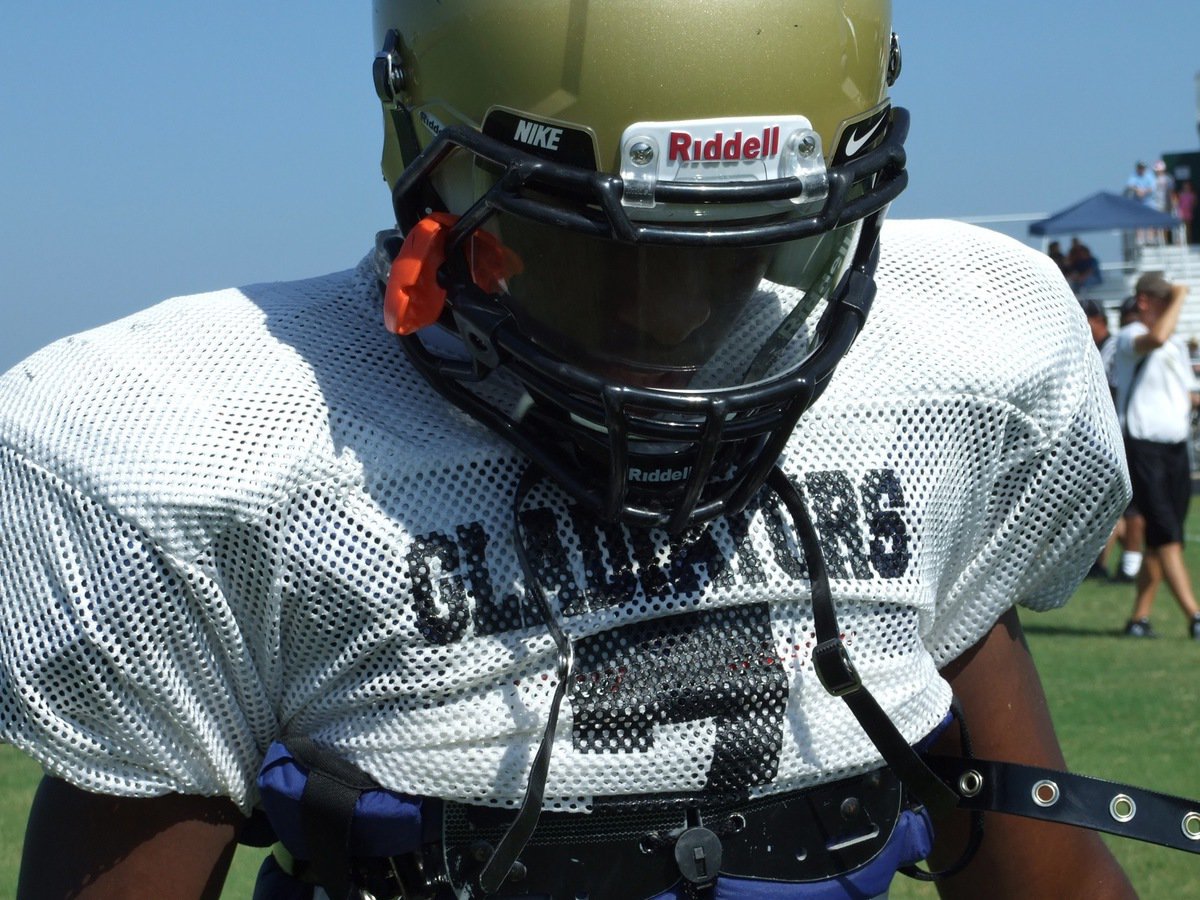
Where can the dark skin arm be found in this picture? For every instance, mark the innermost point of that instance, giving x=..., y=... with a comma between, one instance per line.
x=1008, y=718
x=98, y=847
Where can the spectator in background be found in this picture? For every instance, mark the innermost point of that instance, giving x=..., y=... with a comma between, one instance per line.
x=1104, y=338
x=1140, y=185
x=1054, y=251
x=1154, y=401
x=1131, y=530
x=1164, y=190
x=1128, y=531
x=1185, y=210
x=1082, y=269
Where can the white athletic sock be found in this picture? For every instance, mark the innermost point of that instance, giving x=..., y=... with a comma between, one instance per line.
x=1131, y=562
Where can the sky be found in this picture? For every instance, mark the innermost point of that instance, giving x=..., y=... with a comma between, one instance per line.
x=152, y=149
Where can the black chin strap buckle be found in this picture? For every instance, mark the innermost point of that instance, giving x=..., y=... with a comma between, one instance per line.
x=835, y=670
x=698, y=854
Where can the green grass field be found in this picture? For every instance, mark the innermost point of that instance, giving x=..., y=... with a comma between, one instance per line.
x=1125, y=709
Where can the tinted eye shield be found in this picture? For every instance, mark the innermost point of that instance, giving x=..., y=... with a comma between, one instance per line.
x=744, y=428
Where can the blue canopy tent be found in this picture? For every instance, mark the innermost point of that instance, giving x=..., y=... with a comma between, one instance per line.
x=1103, y=212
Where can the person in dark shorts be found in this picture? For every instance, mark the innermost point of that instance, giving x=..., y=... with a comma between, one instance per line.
x=1155, y=389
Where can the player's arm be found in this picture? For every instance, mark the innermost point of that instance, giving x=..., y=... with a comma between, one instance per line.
x=97, y=847
x=1006, y=712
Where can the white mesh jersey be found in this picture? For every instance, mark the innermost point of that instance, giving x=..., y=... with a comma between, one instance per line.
x=241, y=515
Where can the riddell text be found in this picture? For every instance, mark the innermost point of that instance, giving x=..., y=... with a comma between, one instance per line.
x=684, y=147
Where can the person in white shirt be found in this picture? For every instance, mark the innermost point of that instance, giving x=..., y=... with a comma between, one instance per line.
x=1154, y=400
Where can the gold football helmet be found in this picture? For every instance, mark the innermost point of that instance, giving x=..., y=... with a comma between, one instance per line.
x=659, y=222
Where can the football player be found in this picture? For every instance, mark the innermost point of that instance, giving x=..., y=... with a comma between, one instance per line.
x=649, y=560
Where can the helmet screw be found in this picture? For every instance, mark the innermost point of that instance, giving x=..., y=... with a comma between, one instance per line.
x=388, y=70
x=806, y=145
x=641, y=153
x=895, y=61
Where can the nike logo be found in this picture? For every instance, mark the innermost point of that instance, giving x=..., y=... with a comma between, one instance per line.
x=855, y=142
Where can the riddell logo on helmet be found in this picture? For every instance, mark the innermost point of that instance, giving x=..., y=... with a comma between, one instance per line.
x=683, y=146
x=658, y=476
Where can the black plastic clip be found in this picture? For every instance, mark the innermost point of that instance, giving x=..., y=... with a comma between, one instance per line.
x=698, y=855
x=834, y=668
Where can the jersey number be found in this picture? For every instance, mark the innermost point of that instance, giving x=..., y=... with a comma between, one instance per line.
x=719, y=664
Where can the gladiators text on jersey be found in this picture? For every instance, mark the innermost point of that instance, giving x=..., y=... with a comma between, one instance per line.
x=861, y=527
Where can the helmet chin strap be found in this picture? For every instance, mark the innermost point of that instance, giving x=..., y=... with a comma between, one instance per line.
x=836, y=670
x=509, y=847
